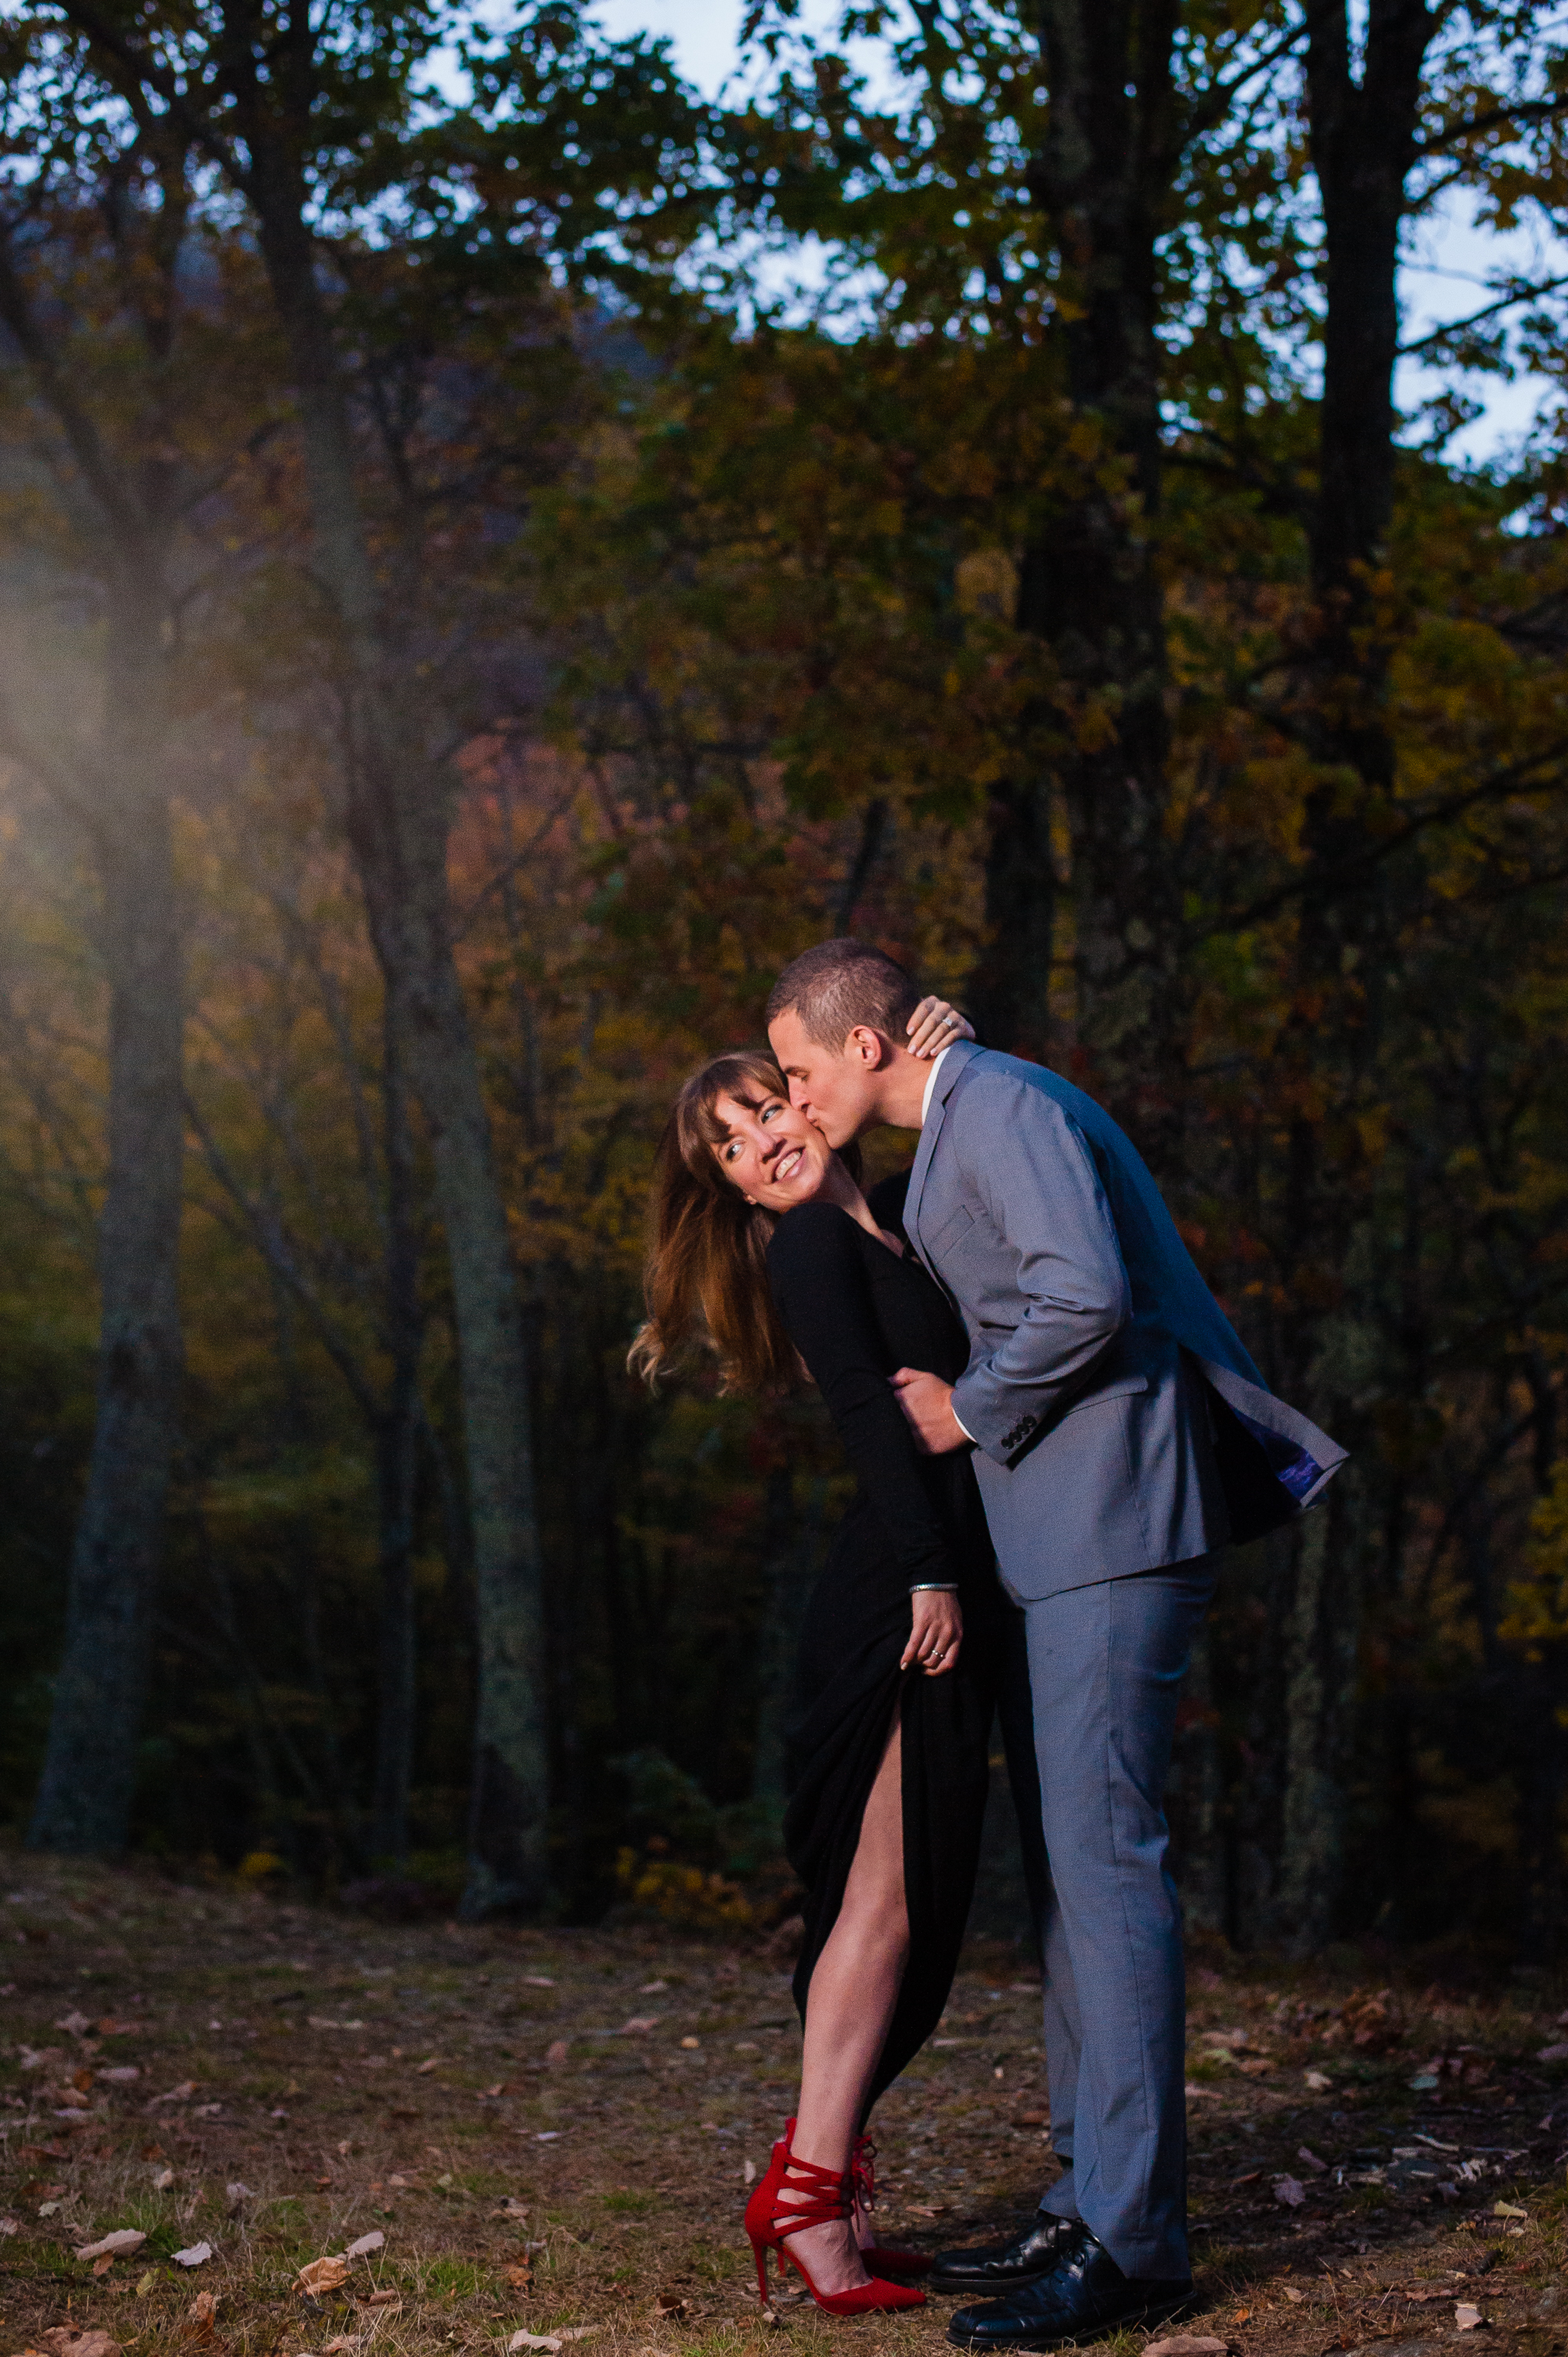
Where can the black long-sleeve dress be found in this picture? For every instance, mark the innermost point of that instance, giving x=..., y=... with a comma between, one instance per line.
x=856, y=1312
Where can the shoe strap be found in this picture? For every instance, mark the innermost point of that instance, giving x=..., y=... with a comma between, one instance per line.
x=862, y=2168
x=825, y=2196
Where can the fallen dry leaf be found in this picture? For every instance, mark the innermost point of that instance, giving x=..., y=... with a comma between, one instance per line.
x=1509, y=2210
x=520, y=2274
x=75, y=2023
x=388, y=2299
x=365, y=2245
x=66, y=2341
x=1553, y=2054
x=1187, y=2344
x=1292, y=2294
x=180, y=2094
x=195, y=2256
x=1468, y=2315
x=323, y=2274
x=510, y=2208
x=556, y=2053
x=125, y=2238
x=671, y=2303
x=547, y=2341
x=200, y=2317
x=640, y=2024
x=537, y=1980
x=1305, y=2152
x=1290, y=2191
x=122, y=2074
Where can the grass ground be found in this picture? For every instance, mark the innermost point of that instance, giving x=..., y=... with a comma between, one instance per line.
x=552, y=2131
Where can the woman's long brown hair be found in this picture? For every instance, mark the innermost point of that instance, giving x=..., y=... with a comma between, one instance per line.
x=706, y=1274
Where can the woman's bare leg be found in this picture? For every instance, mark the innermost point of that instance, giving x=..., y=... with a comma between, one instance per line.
x=854, y=1991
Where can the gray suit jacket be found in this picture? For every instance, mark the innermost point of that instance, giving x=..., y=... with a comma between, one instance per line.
x=1120, y=1424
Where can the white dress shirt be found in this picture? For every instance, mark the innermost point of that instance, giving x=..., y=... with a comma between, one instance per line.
x=937, y=1063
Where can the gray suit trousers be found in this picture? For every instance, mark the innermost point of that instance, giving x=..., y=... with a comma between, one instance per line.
x=1105, y=1664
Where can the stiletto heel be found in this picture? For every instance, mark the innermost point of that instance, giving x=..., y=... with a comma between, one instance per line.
x=879, y=2260
x=769, y=2222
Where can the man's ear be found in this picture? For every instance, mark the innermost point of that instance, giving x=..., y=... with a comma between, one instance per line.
x=867, y=1048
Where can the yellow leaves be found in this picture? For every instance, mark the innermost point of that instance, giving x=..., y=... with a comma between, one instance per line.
x=682, y=1895
x=257, y=1866
x=1535, y=1612
x=986, y=582
x=1372, y=1129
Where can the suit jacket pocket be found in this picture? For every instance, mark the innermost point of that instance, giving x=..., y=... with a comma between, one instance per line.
x=1123, y=1386
x=953, y=1229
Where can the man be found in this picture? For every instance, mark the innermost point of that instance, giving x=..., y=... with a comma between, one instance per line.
x=1122, y=1435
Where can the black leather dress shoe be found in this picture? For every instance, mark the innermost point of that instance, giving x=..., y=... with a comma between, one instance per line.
x=999, y=2265
x=1085, y=2297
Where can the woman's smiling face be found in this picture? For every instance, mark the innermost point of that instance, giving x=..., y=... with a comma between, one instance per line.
x=772, y=1152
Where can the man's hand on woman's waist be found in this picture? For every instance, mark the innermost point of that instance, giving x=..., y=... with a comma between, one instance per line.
x=926, y=1401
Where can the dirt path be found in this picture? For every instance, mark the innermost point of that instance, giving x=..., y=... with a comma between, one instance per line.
x=554, y=2131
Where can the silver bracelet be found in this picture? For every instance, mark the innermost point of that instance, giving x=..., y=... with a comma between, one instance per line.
x=935, y=1588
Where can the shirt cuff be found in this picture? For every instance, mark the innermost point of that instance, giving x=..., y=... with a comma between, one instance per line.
x=963, y=1427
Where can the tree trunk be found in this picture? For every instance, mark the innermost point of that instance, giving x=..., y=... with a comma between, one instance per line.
x=1363, y=131
x=1321, y=1644
x=1011, y=990
x=398, y=821
x=1091, y=589
x=397, y=1460
x=84, y=1798
x=1363, y=134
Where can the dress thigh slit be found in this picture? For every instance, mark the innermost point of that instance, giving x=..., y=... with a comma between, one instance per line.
x=835, y=1751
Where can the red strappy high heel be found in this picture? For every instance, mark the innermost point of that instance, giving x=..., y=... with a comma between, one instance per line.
x=769, y=2223
x=879, y=2261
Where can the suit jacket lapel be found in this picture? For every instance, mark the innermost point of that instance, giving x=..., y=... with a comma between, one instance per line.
x=958, y=1055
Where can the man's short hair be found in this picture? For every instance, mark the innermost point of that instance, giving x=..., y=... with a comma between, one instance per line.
x=841, y=983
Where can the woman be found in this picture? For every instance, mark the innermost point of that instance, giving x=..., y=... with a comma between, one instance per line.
x=761, y=1234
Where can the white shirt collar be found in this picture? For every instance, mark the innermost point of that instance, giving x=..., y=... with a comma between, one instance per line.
x=937, y=1063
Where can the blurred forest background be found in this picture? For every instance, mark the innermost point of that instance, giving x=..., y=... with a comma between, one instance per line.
x=462, y=626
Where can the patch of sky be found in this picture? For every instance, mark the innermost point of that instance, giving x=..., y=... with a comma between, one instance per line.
x=1455, y=262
